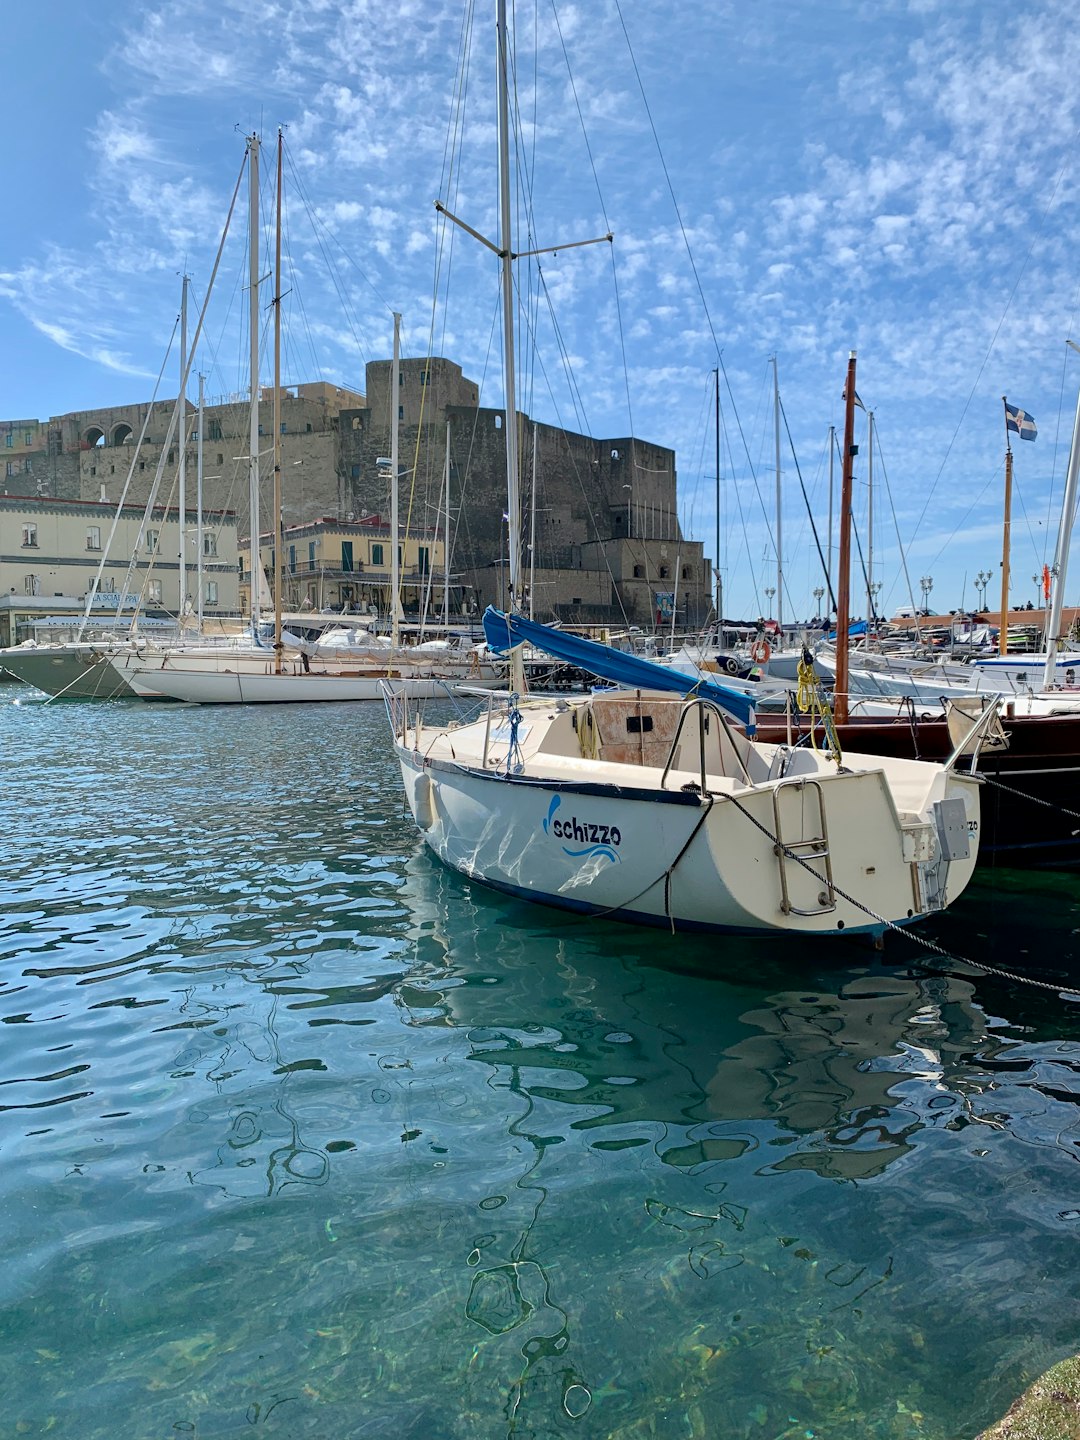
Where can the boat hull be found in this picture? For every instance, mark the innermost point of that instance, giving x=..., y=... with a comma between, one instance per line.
x=595, y=847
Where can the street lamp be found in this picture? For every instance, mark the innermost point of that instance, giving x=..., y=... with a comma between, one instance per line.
x=982, y=579
x=1036, y=580
x=875, y=591
x=819, y=591
x=770, y=591
x=927, y=584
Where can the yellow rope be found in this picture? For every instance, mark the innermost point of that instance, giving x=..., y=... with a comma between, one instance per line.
x=810, y=699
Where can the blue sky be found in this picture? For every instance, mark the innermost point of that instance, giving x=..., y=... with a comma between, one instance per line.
x=896, y=177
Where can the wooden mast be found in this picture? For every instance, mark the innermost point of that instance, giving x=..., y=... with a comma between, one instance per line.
x=1003, y=627
x=843, y=577
x=279, y=565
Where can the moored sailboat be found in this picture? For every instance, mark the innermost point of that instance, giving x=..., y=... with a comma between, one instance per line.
x=646, y=804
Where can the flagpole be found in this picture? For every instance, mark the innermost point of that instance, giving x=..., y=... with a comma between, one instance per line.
x=1003, y=628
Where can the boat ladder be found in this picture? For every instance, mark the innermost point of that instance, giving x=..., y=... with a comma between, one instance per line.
x=816, y=847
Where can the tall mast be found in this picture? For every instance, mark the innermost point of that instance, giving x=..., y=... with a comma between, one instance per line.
x=532, y=524
x=779, y=531
x=446, y=537
x=253, y=323
x=395, y=563
x=1061, y=552
x=843, y=579
x=828, y=546
x=1003, y=628
x=279, y=561
x=719, y=572
x=506, y=258
x=199, y=541
x=871, y=616
x=182, y=480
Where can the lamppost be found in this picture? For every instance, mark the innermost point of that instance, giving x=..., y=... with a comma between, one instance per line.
x=982, y=579
x=1036, y=580
x=819, y=591
x=770, y=591
x=875, y=591
x=927, y=584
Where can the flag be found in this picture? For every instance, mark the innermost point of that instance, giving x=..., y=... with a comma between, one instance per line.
x=858, y=402
x=1021, y=422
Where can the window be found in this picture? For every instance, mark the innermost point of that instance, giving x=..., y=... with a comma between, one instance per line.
x=686, y=572
x=424, y=560
x=93, y=537
x=354, y=470
x=292, y=559
x=9, y=439
x=142, y=464
x=423, y=377
x=213, y=432
x=312, y=547
x=32, y=584
x=377, y=555
x=170, y=459
x=663, y=572
x=284, y=427
x=210, y=592
x=108, y=585
x=10, y=468
x=498, y=422
x=346, y=555
x=153, y=592
x=639, y=572
x=93, y=469
x=29, y=539
x=220, y=458
x=28, y=437
x=209, y=543
x=151, y=540
x=401, y=412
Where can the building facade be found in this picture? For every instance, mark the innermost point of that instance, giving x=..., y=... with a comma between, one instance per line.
x=56, y=553
x=601, y=544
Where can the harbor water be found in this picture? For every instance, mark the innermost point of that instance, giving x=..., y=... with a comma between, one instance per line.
x=302, y=1135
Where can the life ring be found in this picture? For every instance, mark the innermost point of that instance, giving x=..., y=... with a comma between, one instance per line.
x=760, y=651
x=731, y=665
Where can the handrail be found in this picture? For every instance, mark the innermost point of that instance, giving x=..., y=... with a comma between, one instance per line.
x=701, y=705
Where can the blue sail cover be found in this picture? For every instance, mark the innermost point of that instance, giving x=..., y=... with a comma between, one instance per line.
x=505, y=631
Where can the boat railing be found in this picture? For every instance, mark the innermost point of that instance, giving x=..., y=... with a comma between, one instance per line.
x=703, y=708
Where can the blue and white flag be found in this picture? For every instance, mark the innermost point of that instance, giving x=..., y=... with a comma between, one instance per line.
x=1020, y=421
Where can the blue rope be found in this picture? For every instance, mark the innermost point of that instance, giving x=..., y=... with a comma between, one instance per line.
x=514, y=757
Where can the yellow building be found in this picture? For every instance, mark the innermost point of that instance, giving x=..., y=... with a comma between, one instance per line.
x=54, y=553
x=345, y=565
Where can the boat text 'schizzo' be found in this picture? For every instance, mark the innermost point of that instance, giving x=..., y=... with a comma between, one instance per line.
x=650, y=806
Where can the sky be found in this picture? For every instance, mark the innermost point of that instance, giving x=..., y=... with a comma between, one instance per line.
x=784, y=180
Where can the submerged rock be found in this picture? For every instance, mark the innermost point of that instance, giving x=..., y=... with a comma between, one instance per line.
x=1047, y=1410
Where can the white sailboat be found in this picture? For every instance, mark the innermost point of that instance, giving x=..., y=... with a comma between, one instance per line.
x=646, y=804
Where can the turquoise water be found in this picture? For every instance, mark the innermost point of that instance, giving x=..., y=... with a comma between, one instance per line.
x=303, y=1136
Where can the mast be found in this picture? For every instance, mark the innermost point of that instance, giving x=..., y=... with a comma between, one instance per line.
x=446, y=538
x=253, y=431
x=828, y=547
x=279, y=565
x=199, y=542
x=182, y=479
x=779, y=530
x=506, y=260
x=719, y=572
x=1061, y=551
x=532, y=524
x=1003, y=628
x=843, y=579
x=395, y=563
x=871, y=616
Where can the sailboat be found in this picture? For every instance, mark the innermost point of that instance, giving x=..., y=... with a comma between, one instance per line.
x=646, y=803
x=268, y=675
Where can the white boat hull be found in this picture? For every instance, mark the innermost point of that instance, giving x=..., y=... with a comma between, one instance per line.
x=615, y=839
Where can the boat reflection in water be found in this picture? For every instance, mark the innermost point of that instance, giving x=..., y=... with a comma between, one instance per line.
x=791, y=1199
